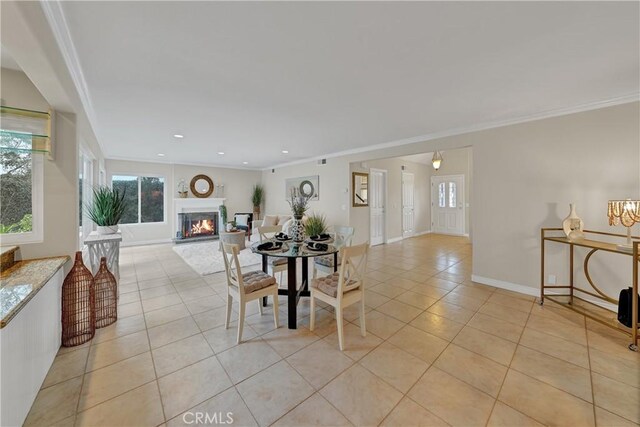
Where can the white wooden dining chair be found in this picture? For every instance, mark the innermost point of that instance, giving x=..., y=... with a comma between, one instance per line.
x=275, y=264
x=342, y=236
x=343, y=288
x=246, y=287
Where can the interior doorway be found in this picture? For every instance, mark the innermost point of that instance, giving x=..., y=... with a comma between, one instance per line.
x=377, y=203
x=408, y=204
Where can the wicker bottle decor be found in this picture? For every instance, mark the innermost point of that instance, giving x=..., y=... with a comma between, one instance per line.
x=106, y=296
x=78, y=305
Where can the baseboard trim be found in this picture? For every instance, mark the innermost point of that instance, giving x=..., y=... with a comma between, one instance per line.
x=394, y=239
x=422, y=233
x=145, y=242
x=535, y=292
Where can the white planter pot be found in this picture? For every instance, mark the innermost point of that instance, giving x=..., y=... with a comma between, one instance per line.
x=107, y=229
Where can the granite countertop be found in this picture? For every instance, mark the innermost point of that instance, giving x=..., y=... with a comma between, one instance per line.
x=22, y=281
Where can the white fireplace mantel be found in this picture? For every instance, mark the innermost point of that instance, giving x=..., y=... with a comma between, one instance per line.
x=191, y=205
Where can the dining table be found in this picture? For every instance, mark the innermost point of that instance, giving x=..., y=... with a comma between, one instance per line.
x=292, y=251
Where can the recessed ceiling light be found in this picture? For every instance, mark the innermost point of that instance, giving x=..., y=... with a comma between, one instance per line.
x=221, y=153
x=160, y=154
x=285, y=151
x=245, y=163
x=177, y=135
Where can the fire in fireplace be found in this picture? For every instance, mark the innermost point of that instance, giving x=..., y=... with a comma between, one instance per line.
x=197, y=225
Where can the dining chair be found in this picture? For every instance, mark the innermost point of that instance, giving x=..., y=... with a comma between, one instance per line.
x=342, y=236
x=274, y=264
x=343, y=288
x=246, y=287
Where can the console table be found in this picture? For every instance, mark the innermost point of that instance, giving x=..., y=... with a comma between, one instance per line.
x=575, y=302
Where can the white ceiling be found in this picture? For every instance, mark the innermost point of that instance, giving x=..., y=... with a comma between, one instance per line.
x=6, y=60
x=314, y=78
x=424, y=158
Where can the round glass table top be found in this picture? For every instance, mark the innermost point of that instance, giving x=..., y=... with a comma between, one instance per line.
x=293, y=250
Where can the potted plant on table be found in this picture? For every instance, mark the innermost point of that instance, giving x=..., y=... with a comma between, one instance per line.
x=257, y=197
x=107, y=209
x=315, y=225
x=299, y=205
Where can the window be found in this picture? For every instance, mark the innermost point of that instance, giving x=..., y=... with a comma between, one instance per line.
x=144, y=196
x=21, y=190
x=452, y=195
x=441, y=195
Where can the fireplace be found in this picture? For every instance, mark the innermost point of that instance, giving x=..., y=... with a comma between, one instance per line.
x=197, y=226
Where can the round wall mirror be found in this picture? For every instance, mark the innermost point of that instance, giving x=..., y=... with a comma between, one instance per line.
x=201, y=186
x=306, y=188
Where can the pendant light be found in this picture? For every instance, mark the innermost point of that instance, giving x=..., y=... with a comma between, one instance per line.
x=436, y=160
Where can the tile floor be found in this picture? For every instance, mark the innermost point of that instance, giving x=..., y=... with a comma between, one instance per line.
x=440, y=350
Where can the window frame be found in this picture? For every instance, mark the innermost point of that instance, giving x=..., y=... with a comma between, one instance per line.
x=36, y=235
x=164, y=196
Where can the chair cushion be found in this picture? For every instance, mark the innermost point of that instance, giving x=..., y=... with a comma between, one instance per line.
x=270, y=220
x=277, y=260
x=329, y=284
x=283, y=218
x=256, y=280
x=326, y=260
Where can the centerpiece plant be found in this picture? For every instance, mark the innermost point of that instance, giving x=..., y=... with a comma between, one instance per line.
x=299, y=205
x=315, y=225
x=106, y=209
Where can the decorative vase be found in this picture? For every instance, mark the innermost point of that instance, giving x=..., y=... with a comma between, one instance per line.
x=572, y=225
x=107, y=229
x=106, y=291
x=78, y=305
x=297, y=229
x=229, y=227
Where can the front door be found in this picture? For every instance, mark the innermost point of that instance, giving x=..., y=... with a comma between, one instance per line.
x=447, y=204
x=377, y=185
x=408, y=227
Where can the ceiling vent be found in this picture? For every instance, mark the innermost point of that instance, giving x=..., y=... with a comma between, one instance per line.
x=273, y=171
x=322, y=161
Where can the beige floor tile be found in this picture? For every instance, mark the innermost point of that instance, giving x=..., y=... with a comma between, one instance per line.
x=172, y=331
x=179, y=354
x=166, y=315
x=491, y=346
x=355, y=345
x=373, y=299
x=429, y=291
x=196, y=293
x=556, y=312
x=247, y=359
x=227, y=407
x=122, y=327
x=409, y=414
x=380, y=324
x=157, y=291
x=461, y=300
x=66, y=366
x=212, y=318
x=113, y=351
x=395, y=366
x=497, y=327
x=55, y=403
x=273, y=392
x=137, y=407
x=454, y=401
x=451, y=312
x=129, y=298
x=315, y=411
x=619, y=368
x=417, y=300
x=479, y=292
x=325, y=323
x=127, y=310
x=437, y=325
x=616, y=397
x=287, y=341
x=319, y=363
x=511, y=302
x=221, y=339
x=387, y=290
x=506, y=416
x=557, y=347
x=160, y=302
x=558, y=373
x=401, y=282
x=113, y=380
x=401, y=311
x=441, y=283
x=361, y=396
x=559, y=329
x=505, y=313
x=200, y=305
x=419, y=343
x=472, y=368
x=153, y=283
x=605, y=418
x=544, y=403
x=189, y=386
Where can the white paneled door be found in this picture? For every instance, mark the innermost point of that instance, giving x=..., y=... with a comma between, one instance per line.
x=377, y=186
x=447, y=204
x=408, y=227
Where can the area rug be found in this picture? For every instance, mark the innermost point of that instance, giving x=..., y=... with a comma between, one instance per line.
x=205, y=258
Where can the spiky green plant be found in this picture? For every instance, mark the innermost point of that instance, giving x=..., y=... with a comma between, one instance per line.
x=257, y=195
x=223, y=213
x=108, y=206
x=316, y=224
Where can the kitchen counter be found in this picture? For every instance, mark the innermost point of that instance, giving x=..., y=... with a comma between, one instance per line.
x=22, y=281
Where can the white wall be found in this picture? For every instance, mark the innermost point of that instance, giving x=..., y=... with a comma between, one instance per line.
x=238, y=184
x=459, y=162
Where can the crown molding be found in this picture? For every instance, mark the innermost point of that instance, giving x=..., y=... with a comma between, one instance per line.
x=596, y=105
x=54, y=15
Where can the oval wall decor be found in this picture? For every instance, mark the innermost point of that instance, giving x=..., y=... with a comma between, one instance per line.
x=201, y=186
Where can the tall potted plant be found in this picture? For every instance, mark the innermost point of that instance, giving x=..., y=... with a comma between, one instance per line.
x=257, y=197
x=107, y=209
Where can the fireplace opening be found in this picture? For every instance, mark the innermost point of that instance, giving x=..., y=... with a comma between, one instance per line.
x=197, y=225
